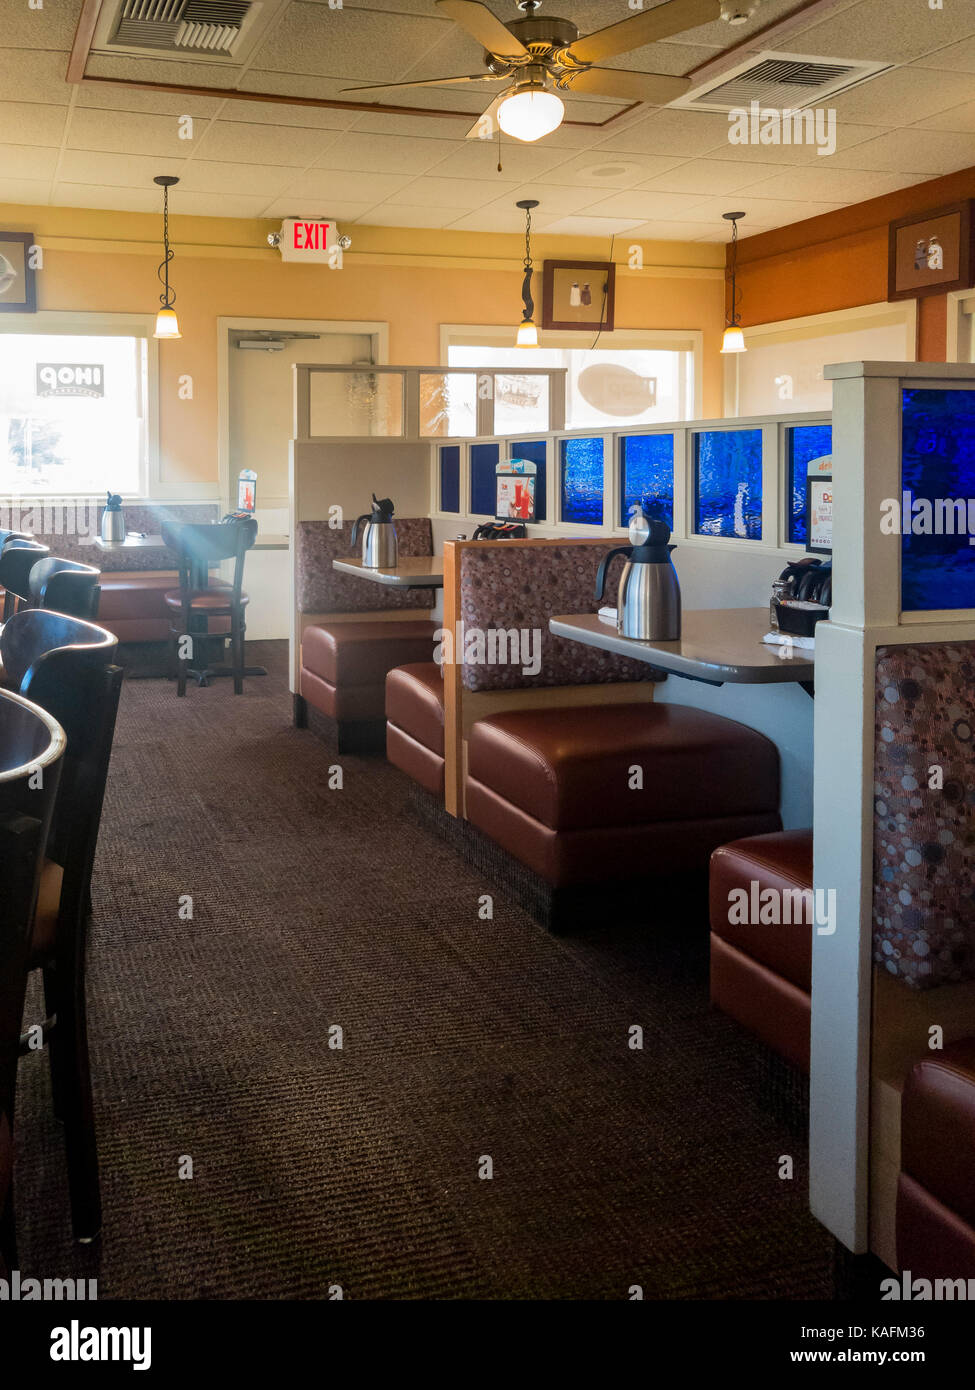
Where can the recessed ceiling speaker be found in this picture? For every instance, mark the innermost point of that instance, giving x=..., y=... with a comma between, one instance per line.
x=738, y=11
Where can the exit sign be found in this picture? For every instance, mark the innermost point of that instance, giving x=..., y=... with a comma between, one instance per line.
x=307, y=239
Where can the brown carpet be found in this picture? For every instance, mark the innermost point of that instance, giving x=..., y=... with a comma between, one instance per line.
x=314, y=1166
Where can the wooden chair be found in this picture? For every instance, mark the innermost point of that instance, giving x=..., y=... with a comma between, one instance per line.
x=196, y=601
x=31, y=748
x=65, y=666
x=17, y=559
x=65, y=586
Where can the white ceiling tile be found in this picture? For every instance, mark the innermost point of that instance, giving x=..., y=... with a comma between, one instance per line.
x=607, y=227
x=292, y=206
x=902, y=96
x=177, y=70
x=463, y=194
x=107, y=97
x=209, y=176
x=771, y=211
x=220, y=205
x=400, y=215
x=705, y=230
x=958, y=57
x=496, y=217
x=478, y=159
x=384, y=154
x=560, y=202
x=671, y=132
x=237, y=142
x=960, y=118
x=831, y=184
x=83, y=195
x=32, y=123
x=27, y=76
x=647, y=207
x=338, y=185
x=50, y=28
x=27, y=161
x=115, y=170
x=121, y=131
x=892, y=31
x=347, y=42
x=706, y=176
x=608, y=169
x=282, y=113
x=27, y=192
x=922, y=151
x=848, y=136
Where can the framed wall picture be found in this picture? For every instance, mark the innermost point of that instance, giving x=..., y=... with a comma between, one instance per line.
x=931, y=253
x=819, y=514
x=578, y=295
x=17, y=294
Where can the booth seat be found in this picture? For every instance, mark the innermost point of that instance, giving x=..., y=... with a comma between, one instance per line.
x=347, y=649
x=554, y=788
x=936, y=1187
x=133, y=604
x=415, y=723
x=762, y=975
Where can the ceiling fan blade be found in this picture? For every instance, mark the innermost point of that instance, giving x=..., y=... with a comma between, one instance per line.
x=483, y=25
x=486, y=125
x=429, y=82
x=658, y=23
x=653, y=87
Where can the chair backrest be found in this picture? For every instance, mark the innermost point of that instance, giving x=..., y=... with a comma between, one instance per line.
x=17, y=559
x=31, y=749
x=65, y=586
x=198, y=546
x=7, y=536
x=321, y=589
x=36, y=644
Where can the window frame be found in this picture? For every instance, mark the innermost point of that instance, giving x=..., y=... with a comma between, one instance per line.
x=80, y=323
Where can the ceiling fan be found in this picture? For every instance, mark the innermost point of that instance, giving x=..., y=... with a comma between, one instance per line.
x=535, y=55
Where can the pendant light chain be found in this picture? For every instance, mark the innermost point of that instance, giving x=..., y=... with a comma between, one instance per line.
x=526, y=290
x=168, y=298
x=734, y=274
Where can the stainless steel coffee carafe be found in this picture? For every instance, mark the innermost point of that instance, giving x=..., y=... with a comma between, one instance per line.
x=379, y=548
x=648, y=603
x=113, y=520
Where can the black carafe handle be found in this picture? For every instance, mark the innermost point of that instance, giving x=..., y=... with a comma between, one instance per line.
x=604, y=565
x=355, y=525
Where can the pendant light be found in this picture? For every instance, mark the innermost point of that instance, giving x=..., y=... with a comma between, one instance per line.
x=527, y=332
x=734, y=339
x=167, y=324
x=530, y=112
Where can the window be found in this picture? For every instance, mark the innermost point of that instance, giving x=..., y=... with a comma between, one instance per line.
x=606, y=388
x=450, y=478
x=728, y=483
x=803, y=444
x=448, y=404
x=484, y=462
x=534, y=449
x=647, y=475
x=73, y=413
x=937, y=481
x=582, y=481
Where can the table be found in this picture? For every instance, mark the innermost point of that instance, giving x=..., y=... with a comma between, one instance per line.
x=412, y=572
x=716, y=645
x=132, y=542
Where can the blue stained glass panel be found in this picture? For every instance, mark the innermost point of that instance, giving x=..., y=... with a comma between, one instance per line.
x=582, y=481
x=647, y=475
x=484, y=496
x=728, y=483
x=937, y=470
x=450, y=478
x=533, y=449
x=803, y=444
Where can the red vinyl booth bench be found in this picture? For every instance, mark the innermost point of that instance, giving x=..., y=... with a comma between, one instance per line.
x=550, y=785
x=345, y=659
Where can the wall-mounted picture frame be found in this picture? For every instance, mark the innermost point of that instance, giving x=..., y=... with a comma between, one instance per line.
x=931, y=252
x=819, y=514
x=17, y=289
x=579, y=296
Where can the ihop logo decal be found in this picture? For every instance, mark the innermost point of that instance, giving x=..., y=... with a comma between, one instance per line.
x=70, y=379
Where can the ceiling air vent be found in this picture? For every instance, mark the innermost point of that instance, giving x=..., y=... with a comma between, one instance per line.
x=779, y=81
x=180, y=26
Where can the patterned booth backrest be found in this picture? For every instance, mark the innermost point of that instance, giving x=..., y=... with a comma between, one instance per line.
x=504, y=585
x=322, y=589
x=924, y=835
x=69, y=529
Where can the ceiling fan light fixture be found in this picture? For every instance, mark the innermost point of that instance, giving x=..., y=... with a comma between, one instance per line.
x=530, y=112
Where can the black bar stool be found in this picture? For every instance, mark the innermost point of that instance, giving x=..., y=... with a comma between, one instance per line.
x=197, y=601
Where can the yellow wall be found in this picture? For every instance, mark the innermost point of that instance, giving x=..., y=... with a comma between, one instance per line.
x=413, y=280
